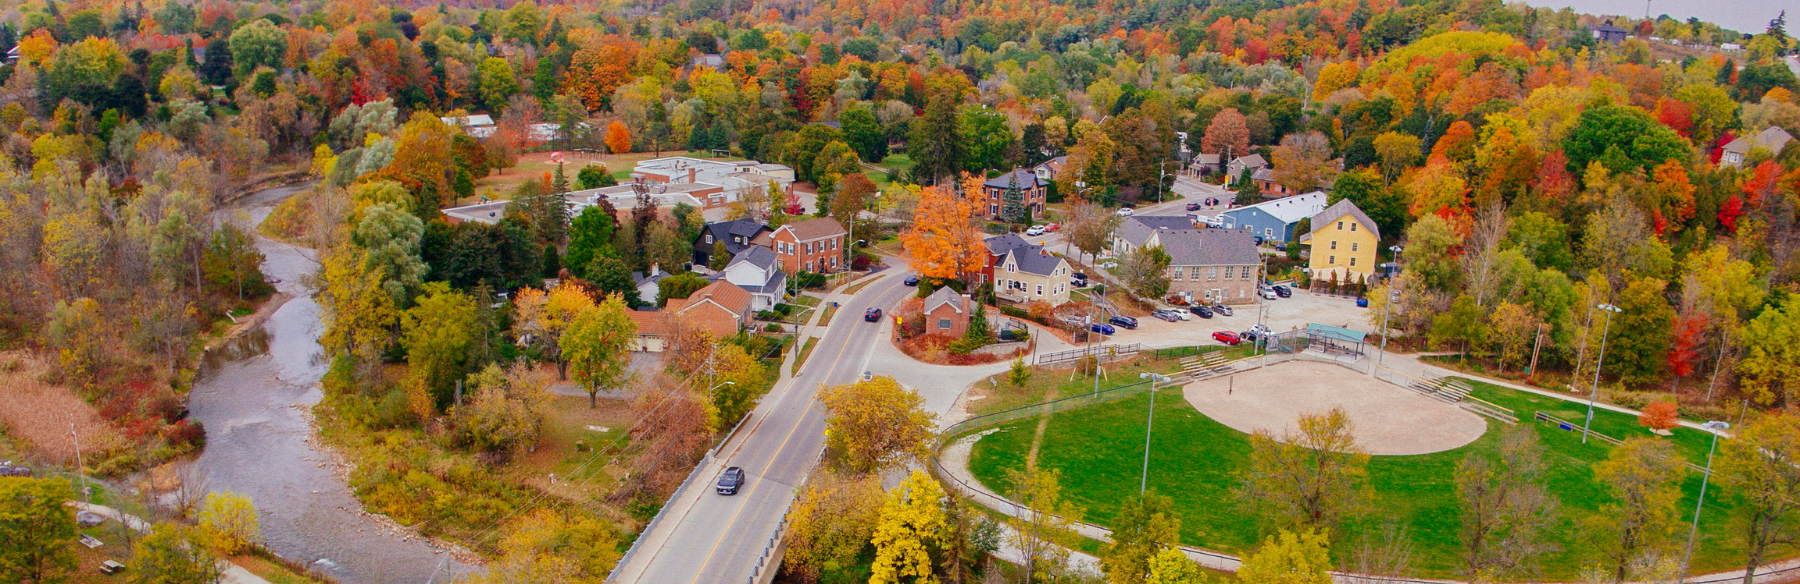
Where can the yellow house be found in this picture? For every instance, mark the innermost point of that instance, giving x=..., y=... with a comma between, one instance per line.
x=1344, y=242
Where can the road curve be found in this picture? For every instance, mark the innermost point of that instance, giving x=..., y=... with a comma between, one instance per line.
x=706, y=537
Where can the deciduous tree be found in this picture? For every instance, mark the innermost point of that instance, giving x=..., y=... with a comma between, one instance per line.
x=1761, y=467
x=1043, y=529
x=911, y=525
x=1303, y=162
x=1290, y=557
x=831, y=522
x=1313, y=477
x=618, y=137
x=597, y=346
x=37, y=531
x=1144, y=528
x=1643, y=475
x=876, y=424
x=172, y=554
x=1506, y=510
x=437, y=333
x=229, y=520
x=942, y=239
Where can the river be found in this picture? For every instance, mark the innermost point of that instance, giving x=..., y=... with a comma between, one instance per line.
x=253, y=395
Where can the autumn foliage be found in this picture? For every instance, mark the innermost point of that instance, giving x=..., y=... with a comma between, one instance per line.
x=1661, y=415
x=942, y=239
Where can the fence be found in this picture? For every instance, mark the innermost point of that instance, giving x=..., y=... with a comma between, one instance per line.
x=1106, y=353
x=1568, y=426
x=771, y=552
x=699, y=468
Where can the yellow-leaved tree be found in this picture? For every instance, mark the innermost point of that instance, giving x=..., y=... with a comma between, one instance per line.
x=876, y=424
x=943, y=240
x=230, y=522
x=598, y=346
x=359, y=312
x=912, y=518
x=543, y=317
x=1289, y=558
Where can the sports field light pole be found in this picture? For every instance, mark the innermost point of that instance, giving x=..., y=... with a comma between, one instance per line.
x=1387, y=309
x=1610, y=309
x=1149, y=420
x=1714, y=426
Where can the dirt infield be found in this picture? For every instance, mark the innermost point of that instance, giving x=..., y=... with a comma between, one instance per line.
x=1389, y=420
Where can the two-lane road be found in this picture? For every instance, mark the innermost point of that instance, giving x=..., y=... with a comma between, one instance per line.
x=712, y=538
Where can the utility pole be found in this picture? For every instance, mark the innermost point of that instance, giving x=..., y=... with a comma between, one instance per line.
x=1610, y=309
x=1694, y=530
x=80, y=467
x=1149, y=422
x=1581, y=353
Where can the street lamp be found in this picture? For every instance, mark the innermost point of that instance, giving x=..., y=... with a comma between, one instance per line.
x=1386, y=309
x=1149, y=419
x=1610, y=309
x=710, y=390
x=1714, y=426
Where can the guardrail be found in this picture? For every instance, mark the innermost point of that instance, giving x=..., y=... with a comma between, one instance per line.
x=705, y=461
x=768, y=556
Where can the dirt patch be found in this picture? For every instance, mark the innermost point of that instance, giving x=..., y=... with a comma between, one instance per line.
x=1389, y=420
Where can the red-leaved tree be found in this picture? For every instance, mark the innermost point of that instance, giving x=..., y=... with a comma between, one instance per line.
x=1662, y=415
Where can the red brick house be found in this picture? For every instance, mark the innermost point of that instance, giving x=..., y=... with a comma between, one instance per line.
x=947, y=313
x=720, y=308
x=1033, y=189
x=813, y=245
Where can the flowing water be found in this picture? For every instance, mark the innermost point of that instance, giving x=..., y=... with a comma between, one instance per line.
x=253, y=395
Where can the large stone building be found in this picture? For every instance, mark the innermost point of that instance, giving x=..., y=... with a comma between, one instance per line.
x=1209, y=266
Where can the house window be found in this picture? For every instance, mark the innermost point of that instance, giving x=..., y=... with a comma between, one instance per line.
x=944, y=323
x=993, y=209
x=1178, y=272
x=1333, y=244
x=1340, y=226
x=1330, y=259
x=1246, y=272
x=709, y=239
x=1009, y=268
x=1352, y=262
x=1268, y=232
x=1040, y=289
x=1353, y=227
x=1353, y=244
x=1212, y=272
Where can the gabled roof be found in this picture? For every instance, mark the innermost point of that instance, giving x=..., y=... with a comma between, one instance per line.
x=640, y=278
x=754, y=255
x=1772, y=139
x=1138, y=228
x=1340, y=209
x=650, y=322
x=942, y=296
x=1025, y=177
x=1000, y=244
x=812, y=229
x=1032, y=259
x=1210, y=247
x=722, y=293
x=1263, y=173
x=1252, y=161
x=777, y=281
x=1289, y=209
x=1204, y=158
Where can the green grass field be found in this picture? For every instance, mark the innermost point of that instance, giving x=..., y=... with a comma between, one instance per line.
x=1195, y=460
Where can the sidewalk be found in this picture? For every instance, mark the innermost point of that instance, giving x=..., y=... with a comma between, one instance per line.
x=234, y=574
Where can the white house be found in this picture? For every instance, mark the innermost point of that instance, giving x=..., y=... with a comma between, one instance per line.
x=758, y=271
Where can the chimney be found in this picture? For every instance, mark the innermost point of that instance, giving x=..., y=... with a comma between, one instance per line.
x=654, y=270
x=690, y=174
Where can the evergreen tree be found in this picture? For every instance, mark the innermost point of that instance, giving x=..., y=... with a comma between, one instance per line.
x=559, y=184
x=1012, y=202
x=552, y=262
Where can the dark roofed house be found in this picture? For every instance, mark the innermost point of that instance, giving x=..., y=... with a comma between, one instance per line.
x=1033, y=189
x=1141, y=230
x=1772, y=139
x=1022, y=272
x=757, y=270
x=1607, y=33
x=1212, y=265
x=737, y=235
x=649, y=283
x=1235, y=169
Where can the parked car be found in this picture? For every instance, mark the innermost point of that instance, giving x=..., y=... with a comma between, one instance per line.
x=1052, y=226
x=1124, y=321
x=1124, y=211
x=1109, y=265
x=1227, y=337
x=911, y=281
x=731, y=480
x=1362, y=302
x=1201, y=311
x=872, y=315
x=1192, y=206
x=1079, y=275
x=1249, y=336
x=1214, y=221
x=1267, y=294
x=1078, y=282
x=1167, y=315
x=1035, y=230
x=1260, y=329
x=1102, y=328
x=1221, y=309
x=1284, y=291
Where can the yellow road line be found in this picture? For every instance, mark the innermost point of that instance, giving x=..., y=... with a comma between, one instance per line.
x=771, y=463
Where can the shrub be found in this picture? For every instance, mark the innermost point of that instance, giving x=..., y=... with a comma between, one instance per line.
x=185, y=433
x=230, y=522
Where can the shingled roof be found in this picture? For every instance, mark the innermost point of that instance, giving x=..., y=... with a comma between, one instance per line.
x=1210, y=247
x=1340, y=209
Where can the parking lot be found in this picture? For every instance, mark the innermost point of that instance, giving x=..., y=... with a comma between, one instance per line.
x=1283, y=314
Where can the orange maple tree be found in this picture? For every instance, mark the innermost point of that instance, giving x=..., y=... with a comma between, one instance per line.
x=942, y=239
x=618, y=137
x=1659, y=416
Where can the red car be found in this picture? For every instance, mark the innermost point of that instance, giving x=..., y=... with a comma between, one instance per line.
x=1053, y=227
x=1227, y=337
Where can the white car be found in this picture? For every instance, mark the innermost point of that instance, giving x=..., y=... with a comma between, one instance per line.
x=1124, y=211
x=1035, y=230
x=1268, y=294
x=1215, y=221
x=1109, y=265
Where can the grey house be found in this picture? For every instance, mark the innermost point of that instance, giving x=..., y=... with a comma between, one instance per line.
x=1274, y=221
x=1139, y=231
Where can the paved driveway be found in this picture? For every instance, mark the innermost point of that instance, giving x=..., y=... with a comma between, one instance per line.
x=1282, y=315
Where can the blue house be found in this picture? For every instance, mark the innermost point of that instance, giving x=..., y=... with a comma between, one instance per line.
x=1274, y=221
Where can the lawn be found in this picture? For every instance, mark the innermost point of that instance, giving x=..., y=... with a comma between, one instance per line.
x=805, y=350
x=1195, y=460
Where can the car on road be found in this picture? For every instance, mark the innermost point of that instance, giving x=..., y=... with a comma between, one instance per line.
x=1193, y=207
x=1227, y=337
x=1124, y=211
x=911, y=281
x=872, y=315
x=1201, y=311
x=1102, y=328
x=731, y=480
x=1284, y=291
x=1168, y=315
x=1124, y=321
x=1267, y=294
x=1221, y=310
x=1035, y=230
x=1109, y=265
x=1078, y=282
